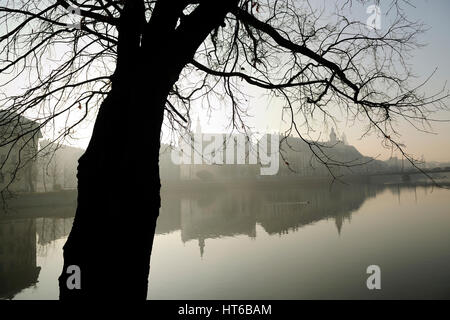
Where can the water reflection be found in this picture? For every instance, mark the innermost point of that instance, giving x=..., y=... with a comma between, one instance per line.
x=18, y=267
x=209, y=215
x=200, y=217
x=19, y=243
x=51, y=229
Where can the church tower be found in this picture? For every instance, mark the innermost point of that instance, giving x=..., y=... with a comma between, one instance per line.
x=198, y=127
x=333, y=136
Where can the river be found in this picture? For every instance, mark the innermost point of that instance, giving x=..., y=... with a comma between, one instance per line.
x=293, y=243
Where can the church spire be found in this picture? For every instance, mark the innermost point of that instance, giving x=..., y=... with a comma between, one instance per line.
x=198, y=128
x=333, y=136
x=201, y=244
x=339, y=221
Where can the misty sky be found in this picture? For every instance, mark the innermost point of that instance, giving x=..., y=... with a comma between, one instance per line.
x=266, y=114
x=434, y=147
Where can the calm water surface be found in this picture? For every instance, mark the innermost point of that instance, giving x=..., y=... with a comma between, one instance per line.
x=306, y=243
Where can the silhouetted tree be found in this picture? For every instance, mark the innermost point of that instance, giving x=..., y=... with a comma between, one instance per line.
x=144, y=60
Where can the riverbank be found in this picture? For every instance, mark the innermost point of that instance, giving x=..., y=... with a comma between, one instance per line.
x=63, y=203
x=40, y=204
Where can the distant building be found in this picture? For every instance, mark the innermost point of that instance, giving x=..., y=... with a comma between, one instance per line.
x=297, y=157
x=18, y=147
x=401, y=164
x=231, y=165
x=57, y=168
x=333, y=138
x=308, y=158
x=168, y=171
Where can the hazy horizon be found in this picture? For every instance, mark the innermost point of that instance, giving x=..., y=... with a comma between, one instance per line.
x=265, y=114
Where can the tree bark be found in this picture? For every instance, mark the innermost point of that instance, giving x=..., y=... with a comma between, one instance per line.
x=118, y=175
x=118, y=205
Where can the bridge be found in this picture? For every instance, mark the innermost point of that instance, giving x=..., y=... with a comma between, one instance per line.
x=406, y=174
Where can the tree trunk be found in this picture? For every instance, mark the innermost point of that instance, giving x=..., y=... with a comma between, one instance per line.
x=119, y=187
x=118, y=202
x=118, y=176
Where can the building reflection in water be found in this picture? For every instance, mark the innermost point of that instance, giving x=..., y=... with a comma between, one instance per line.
x=18, y=267
x=198, y=215
x=19, y=239
x=51, y=229
x=209, y=215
